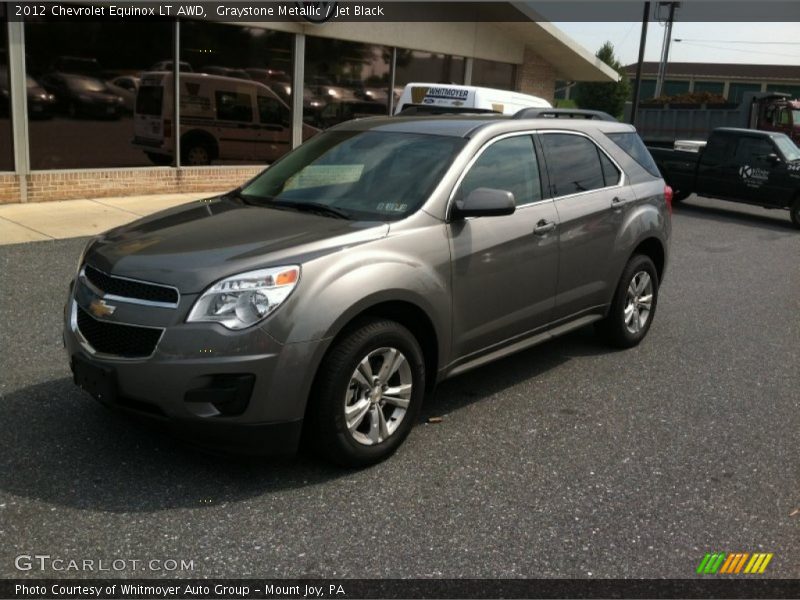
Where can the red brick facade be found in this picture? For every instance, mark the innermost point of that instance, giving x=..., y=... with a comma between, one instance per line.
x=98, y=183
x=535, y=76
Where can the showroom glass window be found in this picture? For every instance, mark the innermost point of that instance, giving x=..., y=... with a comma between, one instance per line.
x=414, y=65
x=6, y=149
x=236, y=90
x=82, y=82
x=493, y=74
x=344, y=80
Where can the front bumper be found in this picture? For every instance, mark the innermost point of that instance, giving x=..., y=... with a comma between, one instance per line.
x=240, y=390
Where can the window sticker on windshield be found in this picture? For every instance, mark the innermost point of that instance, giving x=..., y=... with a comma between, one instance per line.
x=322, y=175
x=392, y=207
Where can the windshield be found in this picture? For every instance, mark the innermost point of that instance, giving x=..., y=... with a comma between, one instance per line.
x=366, y=175
x=787, y=148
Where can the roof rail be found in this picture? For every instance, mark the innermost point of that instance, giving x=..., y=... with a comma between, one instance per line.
x=411, y=110
x=562, y=113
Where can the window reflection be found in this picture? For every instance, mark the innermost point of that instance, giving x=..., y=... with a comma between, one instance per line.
x=344, y=80
x=493, y=74
x=236, y=94
x=82, y=84
x=6, y=150
x=414, y=65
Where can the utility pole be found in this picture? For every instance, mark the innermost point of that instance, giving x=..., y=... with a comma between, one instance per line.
x=642, y=42
x=662, y=67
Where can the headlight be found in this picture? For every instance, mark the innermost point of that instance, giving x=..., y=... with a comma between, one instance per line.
x=245, y=299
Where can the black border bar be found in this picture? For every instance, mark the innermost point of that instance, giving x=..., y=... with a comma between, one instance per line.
x=172, y=589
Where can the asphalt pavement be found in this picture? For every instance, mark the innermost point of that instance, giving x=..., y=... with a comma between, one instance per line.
x=567, y=460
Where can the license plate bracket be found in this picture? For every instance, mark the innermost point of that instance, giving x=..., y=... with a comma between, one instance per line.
x=100, y=382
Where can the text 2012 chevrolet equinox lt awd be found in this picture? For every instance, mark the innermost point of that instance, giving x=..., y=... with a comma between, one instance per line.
x=327, y=295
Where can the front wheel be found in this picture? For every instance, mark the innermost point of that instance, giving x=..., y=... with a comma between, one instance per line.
x=634, y=304
x=367, y=394
x=794, y=213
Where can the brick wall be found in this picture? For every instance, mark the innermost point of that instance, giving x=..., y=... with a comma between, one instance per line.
x=9, y=188
x=67, y=185
x=536, y=77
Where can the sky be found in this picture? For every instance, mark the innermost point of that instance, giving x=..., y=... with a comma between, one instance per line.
x=775, y=43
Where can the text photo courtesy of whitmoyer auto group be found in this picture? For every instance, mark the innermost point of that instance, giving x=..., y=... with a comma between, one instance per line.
x=399, y=299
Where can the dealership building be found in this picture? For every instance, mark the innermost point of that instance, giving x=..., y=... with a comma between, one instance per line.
x=92, y=108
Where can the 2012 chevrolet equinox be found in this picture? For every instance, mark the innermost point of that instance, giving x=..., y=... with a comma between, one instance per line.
x=326, y=295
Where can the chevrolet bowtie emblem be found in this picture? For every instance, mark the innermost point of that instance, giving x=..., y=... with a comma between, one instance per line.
x=99, y=308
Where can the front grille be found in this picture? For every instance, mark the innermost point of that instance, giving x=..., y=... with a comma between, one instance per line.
x=127, y=341
x=126, y=288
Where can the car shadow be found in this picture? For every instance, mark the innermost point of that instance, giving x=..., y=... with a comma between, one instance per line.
x=776, y=220
x=60, y=447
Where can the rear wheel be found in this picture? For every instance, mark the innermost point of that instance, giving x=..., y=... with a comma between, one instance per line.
x=367, y=394
x=634, y=304
x=794, y=212
x=679, y=196
x=196, y=154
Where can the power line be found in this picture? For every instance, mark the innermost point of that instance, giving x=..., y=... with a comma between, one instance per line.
x=738, y=50
x=736, y=42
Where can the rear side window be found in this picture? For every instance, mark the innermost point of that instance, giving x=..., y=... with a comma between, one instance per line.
x=573, y=163
x=509, y=164
x=232, y=106
x=149, y=100
x=633, y=145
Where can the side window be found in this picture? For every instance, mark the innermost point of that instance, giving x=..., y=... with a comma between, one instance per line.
x=611, y=174
x=573, y=163
x=509, y=164
x=752, y=149
x=272, y=112
x=233, y=106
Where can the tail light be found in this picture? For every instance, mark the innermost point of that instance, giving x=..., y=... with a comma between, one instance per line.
x=167, y=128
x=668, y=197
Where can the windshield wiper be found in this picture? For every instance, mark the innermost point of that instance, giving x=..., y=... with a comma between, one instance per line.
x=312, y=207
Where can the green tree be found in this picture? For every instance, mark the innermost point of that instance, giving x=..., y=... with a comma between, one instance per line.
x=608, y=97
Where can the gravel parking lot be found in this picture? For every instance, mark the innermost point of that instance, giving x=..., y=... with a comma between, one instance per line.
x=568, y=460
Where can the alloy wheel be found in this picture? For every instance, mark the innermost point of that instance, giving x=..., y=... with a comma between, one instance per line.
x=639, y=302
x=378, y=396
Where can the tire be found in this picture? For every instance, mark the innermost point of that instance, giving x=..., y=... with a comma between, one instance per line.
x=161, y=160
x=372, y=429
x=679, y=196
x=625, y=327
x=794, y=212
x=196, y=154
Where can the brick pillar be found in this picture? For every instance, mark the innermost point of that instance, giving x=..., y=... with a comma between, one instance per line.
x=536, y=76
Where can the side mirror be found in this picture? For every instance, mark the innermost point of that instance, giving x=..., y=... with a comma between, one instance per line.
x=485, y=202
x=773, y=158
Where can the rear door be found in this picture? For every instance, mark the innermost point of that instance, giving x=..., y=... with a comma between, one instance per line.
x=235, y=125
x=504, y=268
x=150, y=110
x=587, y=186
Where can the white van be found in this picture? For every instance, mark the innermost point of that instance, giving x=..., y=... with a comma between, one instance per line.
x=460, y=97
x=222, y=119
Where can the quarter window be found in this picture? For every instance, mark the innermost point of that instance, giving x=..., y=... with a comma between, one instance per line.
x=509, y=164
x=573, y=163
x=611, y=174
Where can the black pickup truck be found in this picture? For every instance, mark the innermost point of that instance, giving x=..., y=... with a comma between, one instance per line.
x=740, y=165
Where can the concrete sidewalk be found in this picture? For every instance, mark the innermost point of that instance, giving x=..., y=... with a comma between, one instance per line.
x=41, y=221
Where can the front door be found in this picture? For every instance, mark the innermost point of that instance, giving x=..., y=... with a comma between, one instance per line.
x=504, y=268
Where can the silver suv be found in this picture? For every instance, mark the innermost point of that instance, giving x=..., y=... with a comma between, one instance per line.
x=326, y=296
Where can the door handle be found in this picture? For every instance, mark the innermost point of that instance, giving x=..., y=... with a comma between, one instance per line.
x=616, y=201
x=543, y=227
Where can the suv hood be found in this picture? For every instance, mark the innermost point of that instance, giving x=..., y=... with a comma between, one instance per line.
x=192, y=246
